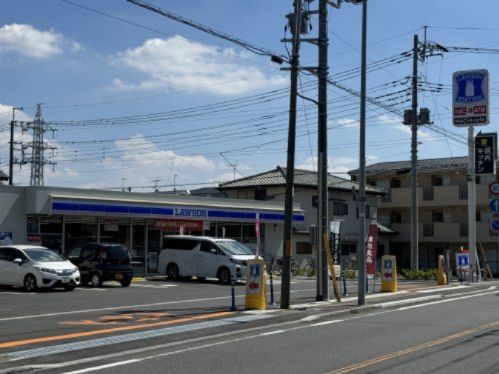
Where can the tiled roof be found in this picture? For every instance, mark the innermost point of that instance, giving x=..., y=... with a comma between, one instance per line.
x=402, y=167
x=306, y=178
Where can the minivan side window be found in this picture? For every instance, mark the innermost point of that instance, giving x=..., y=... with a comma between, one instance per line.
x=87, y=251
x=182, y=244
x=207, y=246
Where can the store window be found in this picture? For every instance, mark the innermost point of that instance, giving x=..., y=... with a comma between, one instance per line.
x=303, y=248
x=51, y=232
x=79, y=230
x=229, y=230
x=115, y=230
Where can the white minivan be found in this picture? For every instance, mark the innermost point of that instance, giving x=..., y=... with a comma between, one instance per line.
x=203, y=257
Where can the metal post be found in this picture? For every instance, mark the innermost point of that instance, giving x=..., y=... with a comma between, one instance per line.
x=11, y=146
x=414, y=160
x=290, y=165
x=471, y=199
x=322, y=133
x=361, y=252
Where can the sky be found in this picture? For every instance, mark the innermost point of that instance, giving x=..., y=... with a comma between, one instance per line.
x=134, y=99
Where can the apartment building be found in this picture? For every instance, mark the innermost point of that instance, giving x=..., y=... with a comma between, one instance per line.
x=443, y=212
x=342, y=206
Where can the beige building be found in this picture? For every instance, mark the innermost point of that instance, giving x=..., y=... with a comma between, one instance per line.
x=443, y=212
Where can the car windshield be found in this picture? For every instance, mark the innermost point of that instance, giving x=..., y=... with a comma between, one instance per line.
x=234, y=248
x=40, y=255
x=117, y=251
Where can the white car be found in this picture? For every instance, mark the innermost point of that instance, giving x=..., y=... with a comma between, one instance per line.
x=33, y=267
x=204, y=257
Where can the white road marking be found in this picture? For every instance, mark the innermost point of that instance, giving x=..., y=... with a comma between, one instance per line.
x=154, y=285
x=114, y=364
x=446, y=300
x=272, y=332
x=92, y=289
x=327, y=322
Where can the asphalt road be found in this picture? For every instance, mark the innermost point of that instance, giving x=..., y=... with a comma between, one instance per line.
x=188, y=327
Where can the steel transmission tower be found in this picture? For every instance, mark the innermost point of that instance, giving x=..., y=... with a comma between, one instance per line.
x=38, y=148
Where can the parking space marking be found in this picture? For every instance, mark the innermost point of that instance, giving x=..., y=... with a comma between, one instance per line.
x=154, y=285
x=46, y=339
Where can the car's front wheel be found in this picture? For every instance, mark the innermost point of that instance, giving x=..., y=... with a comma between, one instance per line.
x=172, y=271
x=224, y=276
x=126, y=282
x=30, y=283
x=96, y=280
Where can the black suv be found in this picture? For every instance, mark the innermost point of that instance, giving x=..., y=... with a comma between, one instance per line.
x=100, y=262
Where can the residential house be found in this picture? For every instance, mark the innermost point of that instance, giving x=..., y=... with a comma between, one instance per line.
x=342, y=206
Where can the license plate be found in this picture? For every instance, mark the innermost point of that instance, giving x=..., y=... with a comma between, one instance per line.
x=118, y=276
x=65, y=280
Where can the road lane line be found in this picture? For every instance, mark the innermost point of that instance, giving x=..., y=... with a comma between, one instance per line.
x=45, y=339
x=445, y=300
x=403, y=352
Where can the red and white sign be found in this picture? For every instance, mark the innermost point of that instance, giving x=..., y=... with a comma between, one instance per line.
x=176, y=224
x=35, y=238
x=371, y=248
x=494, y=188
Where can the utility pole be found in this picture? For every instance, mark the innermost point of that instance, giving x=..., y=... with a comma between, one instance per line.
x=414, y=159
x=295, y=23
x=11, y=146
x=322, y=149
x=361, y=252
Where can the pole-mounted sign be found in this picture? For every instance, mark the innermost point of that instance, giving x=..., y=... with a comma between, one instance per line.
x=470, y=98
x=485, y=153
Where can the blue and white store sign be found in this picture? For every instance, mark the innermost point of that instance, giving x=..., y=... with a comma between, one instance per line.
x=470, y=98
x=5, y=238
x=162, y=211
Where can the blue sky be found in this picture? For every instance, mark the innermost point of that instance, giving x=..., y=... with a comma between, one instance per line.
x=174, y=99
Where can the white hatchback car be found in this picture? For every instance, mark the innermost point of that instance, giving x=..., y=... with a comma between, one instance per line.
x=35, y=267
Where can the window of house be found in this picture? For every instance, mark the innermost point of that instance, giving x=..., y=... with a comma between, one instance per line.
x=396, y=183
x=396, y=217
x=303, y=248
x=437, y=180
x=438, y=216
x=340, y=208
x=478, y=216
x=261, y=194
x=315, y=201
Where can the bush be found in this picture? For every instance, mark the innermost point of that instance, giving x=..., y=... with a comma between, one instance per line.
x=419, y=274
x=349, y=273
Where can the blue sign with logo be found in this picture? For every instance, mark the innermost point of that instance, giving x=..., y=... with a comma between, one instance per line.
x=388, y=264
x=494, y=205
x=463, y=261
x=470, y=97
x=494, y=225
x=5, y=238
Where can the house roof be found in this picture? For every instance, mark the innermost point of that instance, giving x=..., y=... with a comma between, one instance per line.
x=403, y=167
x=304, y=178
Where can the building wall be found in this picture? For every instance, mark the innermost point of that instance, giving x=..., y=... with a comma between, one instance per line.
x=443, y=214
x=12, y=213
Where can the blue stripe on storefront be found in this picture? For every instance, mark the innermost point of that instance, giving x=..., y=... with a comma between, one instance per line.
x=154, y=211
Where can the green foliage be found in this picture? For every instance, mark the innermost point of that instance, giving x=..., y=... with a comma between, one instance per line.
x=349, y=273
x=419, y=274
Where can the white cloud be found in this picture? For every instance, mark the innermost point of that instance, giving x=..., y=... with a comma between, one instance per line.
x=349, y=123
x=30, y=42
x=181, y=64
x=397, y=124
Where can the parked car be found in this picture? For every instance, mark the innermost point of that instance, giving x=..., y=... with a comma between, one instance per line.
x=203, y=257
x=34, y=267
x=100, y=262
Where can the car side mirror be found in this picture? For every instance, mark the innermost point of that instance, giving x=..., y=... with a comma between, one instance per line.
x=18, y=261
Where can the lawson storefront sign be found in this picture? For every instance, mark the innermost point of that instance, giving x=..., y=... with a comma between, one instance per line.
x=157, y=211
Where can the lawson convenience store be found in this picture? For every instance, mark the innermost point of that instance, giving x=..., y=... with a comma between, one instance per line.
x=62, y=218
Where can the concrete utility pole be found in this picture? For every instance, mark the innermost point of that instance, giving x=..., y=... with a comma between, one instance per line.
x=414, y=159
x=361, y=252
x=290, y=165
x=472, y=200
x=11, y=146
x=322, y=145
